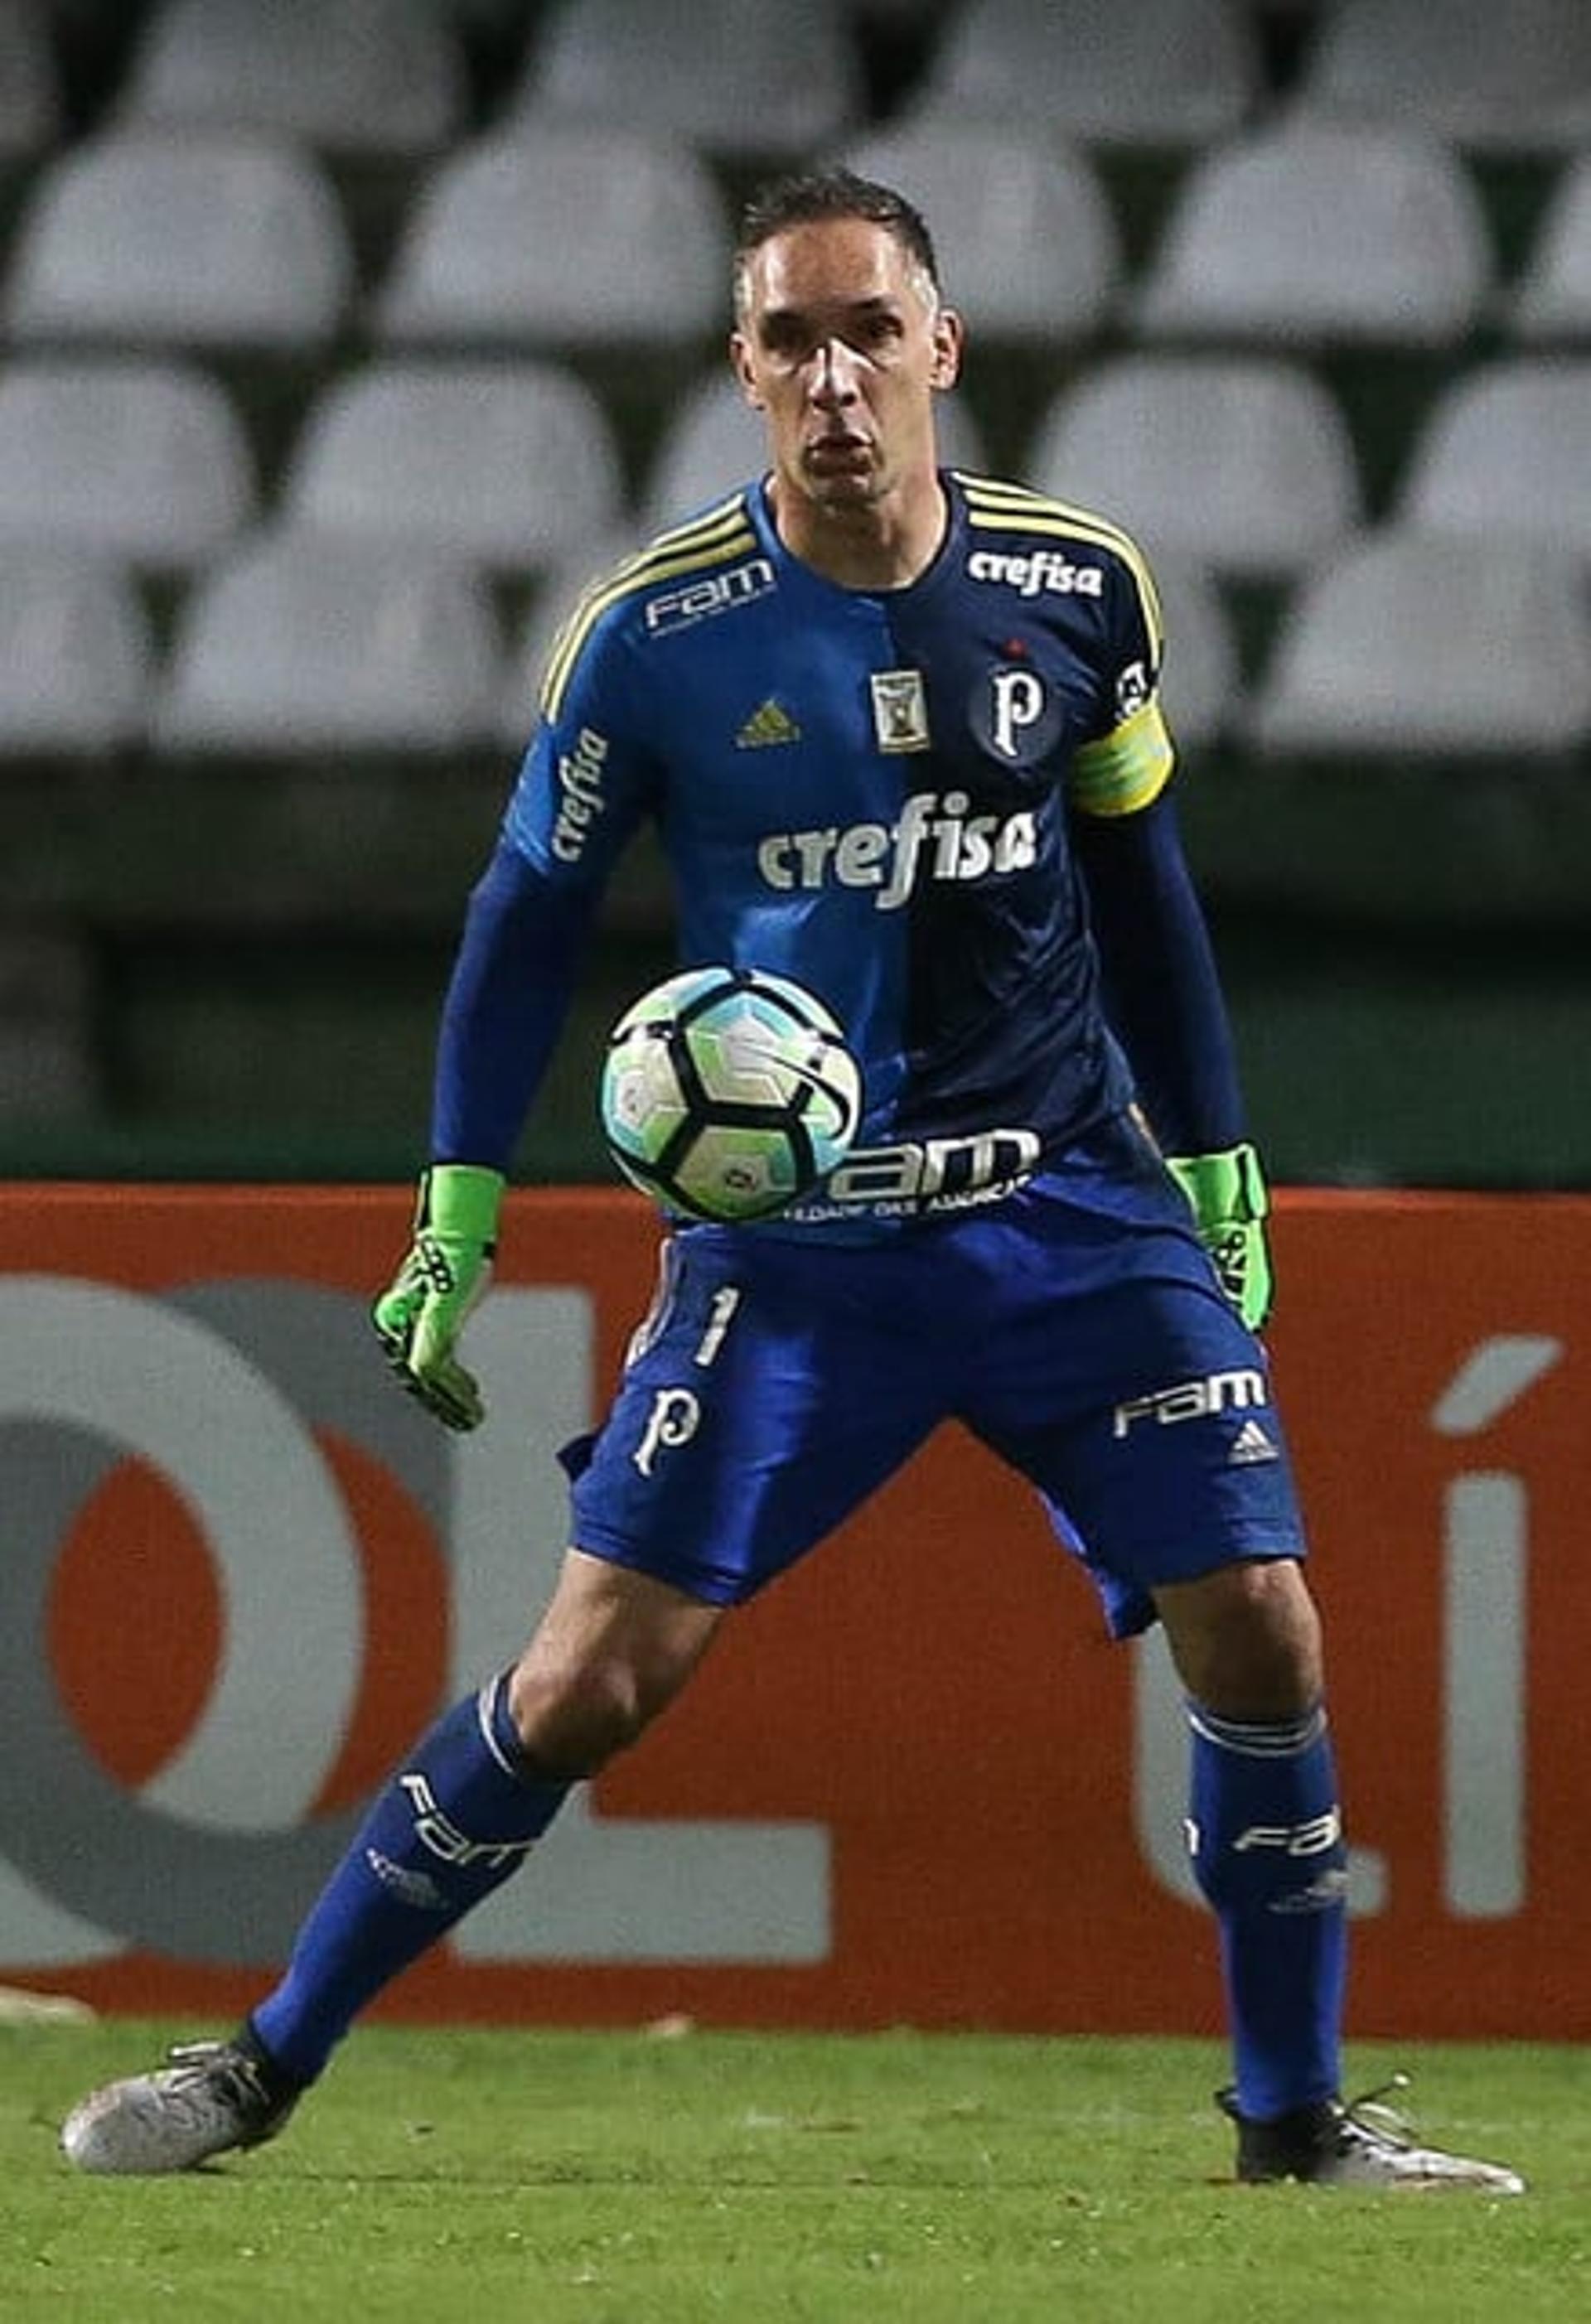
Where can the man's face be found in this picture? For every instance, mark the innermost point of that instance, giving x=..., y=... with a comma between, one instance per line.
x=842, y=344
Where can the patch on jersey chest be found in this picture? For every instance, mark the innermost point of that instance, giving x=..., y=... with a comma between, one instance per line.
x=900, y=710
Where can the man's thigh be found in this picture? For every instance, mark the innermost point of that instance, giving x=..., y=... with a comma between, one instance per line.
x=1141, y=1409
x=772, y=1388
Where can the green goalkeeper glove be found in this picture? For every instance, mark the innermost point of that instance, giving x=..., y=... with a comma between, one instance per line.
x=1227, y=1195
x=448, y=1264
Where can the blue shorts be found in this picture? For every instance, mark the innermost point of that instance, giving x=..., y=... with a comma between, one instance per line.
x=1083, y=1337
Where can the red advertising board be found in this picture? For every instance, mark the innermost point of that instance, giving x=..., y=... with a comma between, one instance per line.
x=915, y=1783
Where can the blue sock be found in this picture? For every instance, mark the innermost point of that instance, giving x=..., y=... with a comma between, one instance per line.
x=1265, y=1835
x=452, y=1823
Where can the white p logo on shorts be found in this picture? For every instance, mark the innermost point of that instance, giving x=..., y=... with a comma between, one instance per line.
x=674, y=1419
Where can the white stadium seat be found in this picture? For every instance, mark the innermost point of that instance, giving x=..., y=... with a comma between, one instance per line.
x=510, y=465
x=1411, y=644
x=1026, y=242
x=1155, y=72
x=1552, y=299
x=1305, y=235
x=141, y=239
x=352, y=77
x=589, y=237
x=75, y=667
x=1502, y=75
x=1506, y=456
x=1243, y=462
x=296, y=645
x=143, y=460
x=771, y=78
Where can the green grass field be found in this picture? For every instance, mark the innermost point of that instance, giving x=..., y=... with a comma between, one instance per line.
x=948, y=2179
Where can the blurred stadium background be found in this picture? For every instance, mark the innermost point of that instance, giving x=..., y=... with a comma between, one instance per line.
x=340, y=338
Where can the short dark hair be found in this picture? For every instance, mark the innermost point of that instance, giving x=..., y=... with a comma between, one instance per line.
x=810, y=195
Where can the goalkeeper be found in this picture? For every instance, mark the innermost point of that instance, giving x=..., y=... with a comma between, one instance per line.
x=899, y=731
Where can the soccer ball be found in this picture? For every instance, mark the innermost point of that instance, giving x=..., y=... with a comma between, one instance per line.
x=727, y=1093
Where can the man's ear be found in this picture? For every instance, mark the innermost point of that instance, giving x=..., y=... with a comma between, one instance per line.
x=949, y=338
x=741, y=364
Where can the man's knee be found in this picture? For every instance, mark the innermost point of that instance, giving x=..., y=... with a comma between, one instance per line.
x=1246, y=1639
x=575, y=1714
x=612, y=1649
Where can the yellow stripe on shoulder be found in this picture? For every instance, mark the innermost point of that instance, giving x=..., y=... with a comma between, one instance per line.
x=719, y=533
x=996, y=506
x=703, y=524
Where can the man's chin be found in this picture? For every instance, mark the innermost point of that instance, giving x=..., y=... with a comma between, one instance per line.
x=836, y=486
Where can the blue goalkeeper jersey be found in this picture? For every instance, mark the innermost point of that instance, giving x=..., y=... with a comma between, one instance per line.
x=872, y=792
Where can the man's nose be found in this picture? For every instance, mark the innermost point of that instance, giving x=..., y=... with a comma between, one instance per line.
x=833, y=370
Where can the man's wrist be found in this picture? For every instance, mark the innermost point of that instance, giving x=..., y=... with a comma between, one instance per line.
x=462, y=1198
x=1228, y=1184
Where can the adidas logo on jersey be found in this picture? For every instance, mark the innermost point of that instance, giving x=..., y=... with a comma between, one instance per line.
x=768, y=724
x=1250, y=1444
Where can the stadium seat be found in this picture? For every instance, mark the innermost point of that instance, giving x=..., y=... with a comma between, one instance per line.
x=1026, y=243
x=145, y=461
x=509, y=464
x=573, y=237
x=30, y=94
x=1243, y=462
x=1406, y=644
x=353, y=77
x=774, y=78
x=715, y=441
x=1552, y=300
x=1201, y=689
x=1501, y=78
x=1166, y=73
x=1506, y=456
x=297, y=644
x=1302, y=234
x=140, y=239
x=74, y=670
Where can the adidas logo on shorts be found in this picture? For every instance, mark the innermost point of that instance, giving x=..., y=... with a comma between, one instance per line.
x=1250, y=1444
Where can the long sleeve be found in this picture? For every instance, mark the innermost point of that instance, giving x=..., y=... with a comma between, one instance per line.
x=506, y=1002
x=1162, y=993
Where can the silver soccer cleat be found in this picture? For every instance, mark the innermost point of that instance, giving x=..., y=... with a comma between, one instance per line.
x=1365, y=2144
x=212, y=2098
